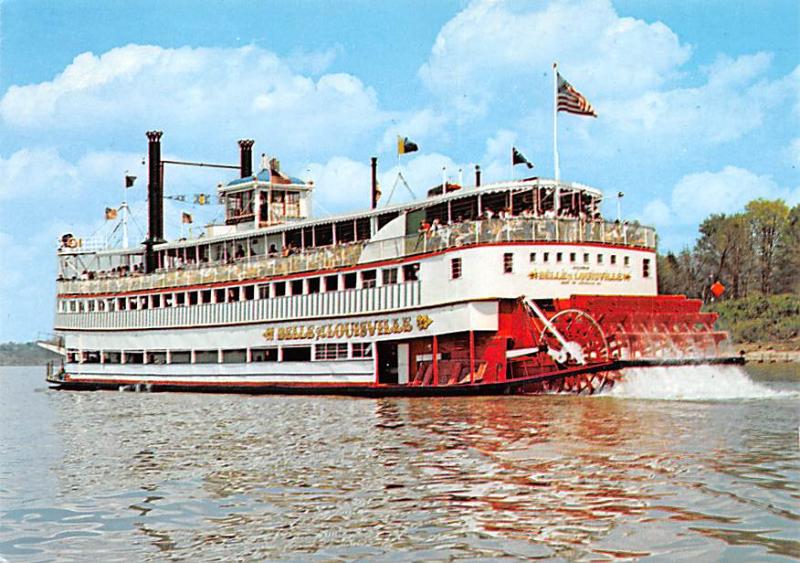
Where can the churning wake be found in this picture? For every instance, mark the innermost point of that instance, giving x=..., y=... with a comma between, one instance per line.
x=692, y=383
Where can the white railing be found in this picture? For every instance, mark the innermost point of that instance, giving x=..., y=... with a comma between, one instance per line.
x=467, y=233
x=328, y=304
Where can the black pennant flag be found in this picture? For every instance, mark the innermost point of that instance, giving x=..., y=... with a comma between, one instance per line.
x=518, y=158
x=405, y=146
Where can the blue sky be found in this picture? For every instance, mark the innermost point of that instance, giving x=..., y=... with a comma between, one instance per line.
x=698, y=106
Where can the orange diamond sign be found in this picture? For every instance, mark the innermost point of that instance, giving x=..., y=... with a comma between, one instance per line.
x=717, y=289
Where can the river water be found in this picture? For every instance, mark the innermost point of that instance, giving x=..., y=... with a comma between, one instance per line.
x=674, y=464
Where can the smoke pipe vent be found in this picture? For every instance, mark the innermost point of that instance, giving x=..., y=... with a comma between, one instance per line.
x=477, y=175
x=375, y=193
x=246, y=157
x=155, y=199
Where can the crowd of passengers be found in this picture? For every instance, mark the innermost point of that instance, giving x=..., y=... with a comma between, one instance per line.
x=455, y=231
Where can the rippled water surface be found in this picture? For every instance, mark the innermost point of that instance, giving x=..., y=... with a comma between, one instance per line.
x=699, y=464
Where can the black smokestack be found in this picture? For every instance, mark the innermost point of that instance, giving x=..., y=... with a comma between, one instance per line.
x=477, y=175
x=155, y=198
x=246, y=157
x=375, y=192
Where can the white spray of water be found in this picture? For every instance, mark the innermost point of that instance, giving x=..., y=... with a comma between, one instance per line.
x=692, y=383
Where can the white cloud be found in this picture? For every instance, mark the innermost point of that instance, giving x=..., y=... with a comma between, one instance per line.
x=199, y=96
x=493, y=43
x=697, y=195
x=656, y=213
x=731, y=103
x=31, y=173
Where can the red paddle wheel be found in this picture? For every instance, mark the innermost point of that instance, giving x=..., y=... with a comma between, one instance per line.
x=585, y=341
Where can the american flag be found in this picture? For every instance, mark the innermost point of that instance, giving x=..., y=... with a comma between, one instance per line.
x=572, y=101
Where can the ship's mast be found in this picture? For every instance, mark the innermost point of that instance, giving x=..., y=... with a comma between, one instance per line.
x=124, y=210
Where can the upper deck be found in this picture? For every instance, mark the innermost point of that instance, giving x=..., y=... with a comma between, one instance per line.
x=493, y=214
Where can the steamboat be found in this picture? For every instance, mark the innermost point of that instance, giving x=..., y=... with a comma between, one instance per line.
x=509, y=287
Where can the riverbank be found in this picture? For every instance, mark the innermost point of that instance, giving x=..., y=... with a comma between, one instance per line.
x=771, y=352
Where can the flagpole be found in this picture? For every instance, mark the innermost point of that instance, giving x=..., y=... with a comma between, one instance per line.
x=556, y=170
x=125, y=210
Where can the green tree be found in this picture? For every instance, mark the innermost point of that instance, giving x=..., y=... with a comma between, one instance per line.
x=679, y=274
x=767, y=220
x=723, y=250
x=788, y=255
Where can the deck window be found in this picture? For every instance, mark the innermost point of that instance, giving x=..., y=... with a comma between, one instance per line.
x=362, y=350
x=249, y=292
x=599, y=258
x=180, y=357
x=205, y=296
x=194, y=297
x=455, y=268
x=155, y=301
x=585, y=257
x=350, y=280
x=219, y=295
x=297, y=354
x=559, y=257
x=279, y=288
x=313, y=285
x=508, y=263
x=545, y=257
x=411, y=272
x=263, y=291
x=533, y=257
x=331, y=283
x=646, y=268
x=91, y=357
x=134, y=357
x=626, y=261
x=572, y=257
x=112, y=357
x=264, y=354
x=206, y=357
x=368, y=278
x=297, y=287
x=157, y=358
x=330, y=351
x=238, y=356
x=613, y=259
x=389, y=276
